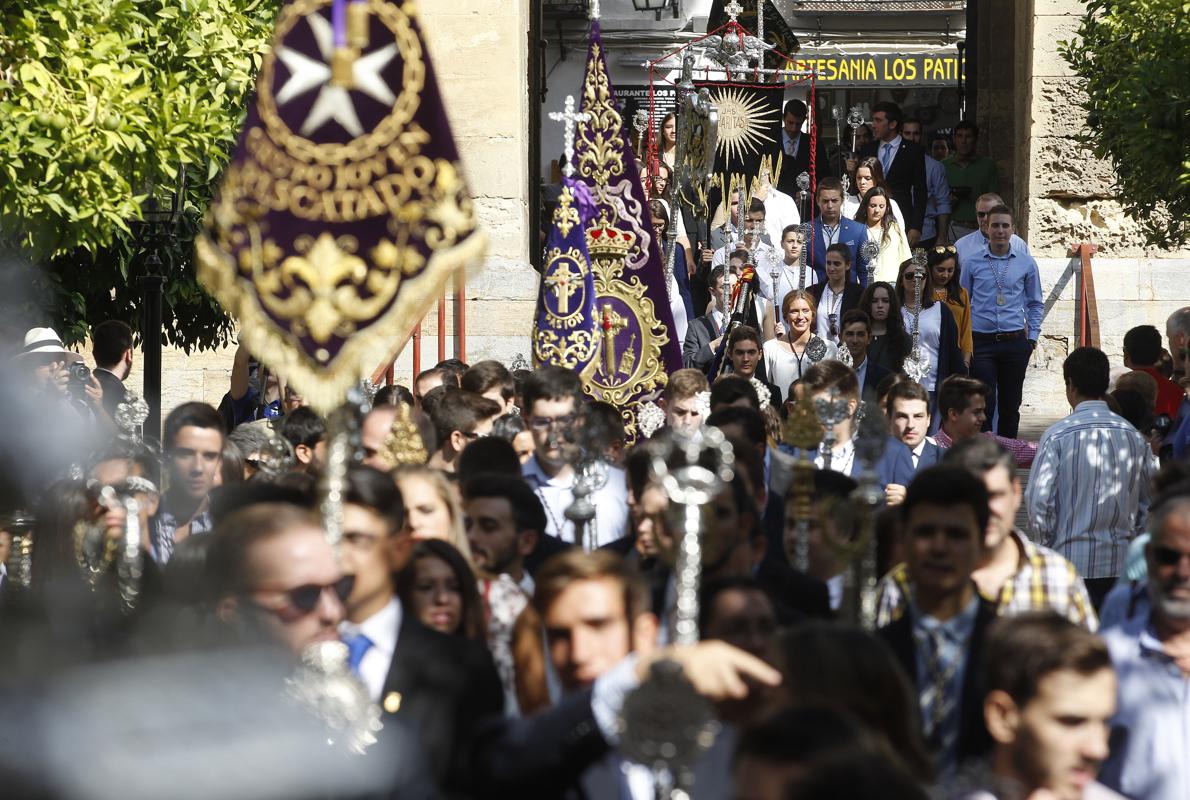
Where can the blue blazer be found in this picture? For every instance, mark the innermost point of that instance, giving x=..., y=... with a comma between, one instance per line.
x=931, y=455
x=894, y=466
x=851, y=233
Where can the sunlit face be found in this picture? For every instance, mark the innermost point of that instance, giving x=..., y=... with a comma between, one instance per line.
x=999, y=232
x=943, y=272
x=793, y=124
x=437, y=596
x=550, y=422
x=912, y=132
x=669, y=131
x=1060, y=738
x=791, y=247
x=717, y=292
x=910, y=420
x=855, y=339
x=799, y=316
x=194, y=460
x=877, y=207
x=881, y=127
x=911, y=277
x=735, y=207
x=587, y=631
x=863, y=180
x=659, y=227
x=754, y=221
x=982, y=209
x=1168, y=557
x=969, y=422
x=830, y=203
x=1004, y=498
x=660, y=182
x=745, y=355
x=683, y=414
x=522, y=443
x=279, y=564
x=939, y=149
x=366, y=553
x=880, y=305
x=836, y=268
x=427, y=513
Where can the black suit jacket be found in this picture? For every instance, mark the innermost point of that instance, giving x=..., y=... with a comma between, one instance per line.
x=446, y=685
x=906, y=176
x=696, y=349
x=974, y=740
x=546, y=546
x=114, y=390
x=792, y=167
x=795, y=595
x=873, y=375
x=931, y=455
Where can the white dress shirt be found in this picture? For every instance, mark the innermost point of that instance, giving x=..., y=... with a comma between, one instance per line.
x=556, y=494
x=381, y=628
x=787, y=280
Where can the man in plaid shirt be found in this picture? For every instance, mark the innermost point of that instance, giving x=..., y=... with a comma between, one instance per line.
x=962, y=407
x=1015, y=574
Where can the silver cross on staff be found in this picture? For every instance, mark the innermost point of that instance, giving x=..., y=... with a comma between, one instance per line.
x=569, y=119
x=733, y=10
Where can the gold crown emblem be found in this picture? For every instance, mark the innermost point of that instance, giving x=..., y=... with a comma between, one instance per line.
x=605, y=240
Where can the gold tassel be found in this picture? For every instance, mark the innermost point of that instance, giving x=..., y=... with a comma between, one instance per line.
x=357, y=25
x=343, y=66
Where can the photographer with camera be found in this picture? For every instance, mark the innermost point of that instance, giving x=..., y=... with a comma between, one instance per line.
x=61, y=375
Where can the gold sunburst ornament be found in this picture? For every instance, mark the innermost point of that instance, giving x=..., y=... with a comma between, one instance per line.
x=744, y=122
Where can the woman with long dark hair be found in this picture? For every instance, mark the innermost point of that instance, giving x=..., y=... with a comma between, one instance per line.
x=875, y=212
x=680, y=302
x=938, y=334
x=438, y=587
x=667, y=145
x=889, y=341
x=869, y=173
x=943, y=263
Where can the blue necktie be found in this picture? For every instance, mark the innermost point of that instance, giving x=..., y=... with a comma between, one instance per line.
x=356, y=647
x=884, y=156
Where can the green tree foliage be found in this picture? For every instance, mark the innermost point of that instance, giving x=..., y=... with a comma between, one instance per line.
x=1133, y=57
x=100, y=99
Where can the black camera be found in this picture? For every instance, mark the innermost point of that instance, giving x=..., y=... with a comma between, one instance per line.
x=79, y=377
x=1161, y=425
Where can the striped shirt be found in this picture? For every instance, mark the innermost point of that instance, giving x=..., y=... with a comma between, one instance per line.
x=1022, y=452
x=1090, y=488
x=1043, y=581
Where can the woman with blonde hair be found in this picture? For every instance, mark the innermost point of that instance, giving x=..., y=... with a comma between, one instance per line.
x=787, y=358
x=432, y=506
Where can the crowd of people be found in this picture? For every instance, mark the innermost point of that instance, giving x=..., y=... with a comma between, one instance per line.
x=498, y=633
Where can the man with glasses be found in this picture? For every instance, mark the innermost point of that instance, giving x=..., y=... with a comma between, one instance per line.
x=1151, y=653
x=836, y=295
x=459, y=418
x=1006, y=311
x=551, y=410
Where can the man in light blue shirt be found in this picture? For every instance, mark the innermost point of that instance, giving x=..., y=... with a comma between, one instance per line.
x=1151, y=653
x=976, y=241
x=937, y=222
x=1006, y=309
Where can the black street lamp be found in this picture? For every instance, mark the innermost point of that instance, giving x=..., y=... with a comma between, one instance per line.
x=157, y=231
x=656, y=6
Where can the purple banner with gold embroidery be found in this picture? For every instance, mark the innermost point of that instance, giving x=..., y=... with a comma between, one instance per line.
x=344, y=211
x=637, y=343
x=565, y=333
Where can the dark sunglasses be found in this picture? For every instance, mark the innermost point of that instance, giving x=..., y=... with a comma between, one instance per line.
x=1168, y=556
x=305, y=598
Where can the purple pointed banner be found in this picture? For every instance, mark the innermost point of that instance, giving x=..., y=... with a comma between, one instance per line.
x=637, y=343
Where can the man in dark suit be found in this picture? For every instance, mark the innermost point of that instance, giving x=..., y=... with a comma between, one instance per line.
x=111, y=345
x=441, y=685
x=904, y=164
x=830, y=227
x=940, y=638
x=704, y=333
x=857, y=335
x=835, y=296
x=793, y=150
x=908, y=408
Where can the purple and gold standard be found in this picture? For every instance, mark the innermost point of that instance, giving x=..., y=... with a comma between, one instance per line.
x=344, y=211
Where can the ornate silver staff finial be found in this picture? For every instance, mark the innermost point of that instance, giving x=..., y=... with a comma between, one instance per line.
x=665, y=724
x=131, y=416
x=803, y=182
x=640, y=123
x=733, y=10
x=593, y=9
x=569, y=119
x=20, y=558
x=871, y=438
x=326, y=687
x=807, y=229
x=855, y=118
x=831, y=411
x=869, y=251
x=917, y=365
x=845, y=356
x=843, y=179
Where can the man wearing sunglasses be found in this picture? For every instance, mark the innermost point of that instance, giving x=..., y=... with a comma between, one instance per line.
x=1151, y=653
x=459, y=419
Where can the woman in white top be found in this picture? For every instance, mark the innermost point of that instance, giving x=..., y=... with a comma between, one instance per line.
x=884, y=231
x=937, y=332
x=869, y=173
x=786, y=359
x=669, y=139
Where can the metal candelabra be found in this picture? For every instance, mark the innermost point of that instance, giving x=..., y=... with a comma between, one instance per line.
x=831, y=411
x=917, y=366
x=869, y=251
x=871, y=438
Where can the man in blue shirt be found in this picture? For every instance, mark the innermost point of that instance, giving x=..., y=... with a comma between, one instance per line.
x=1151, y=654
x=935, y=228
x=830, y=227
x=1006, y=309
x=976, y=241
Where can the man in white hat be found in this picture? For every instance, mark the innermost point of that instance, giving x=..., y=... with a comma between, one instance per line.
x=44, y=359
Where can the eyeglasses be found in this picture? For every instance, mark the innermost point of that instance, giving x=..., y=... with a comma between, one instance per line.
x=473, y=435
x=545, y=423
x=1168, y=556
x=305, y=598
x=940, y=249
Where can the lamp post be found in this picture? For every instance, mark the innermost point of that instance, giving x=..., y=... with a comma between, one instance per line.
x=157, y=231
x=656, y=6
